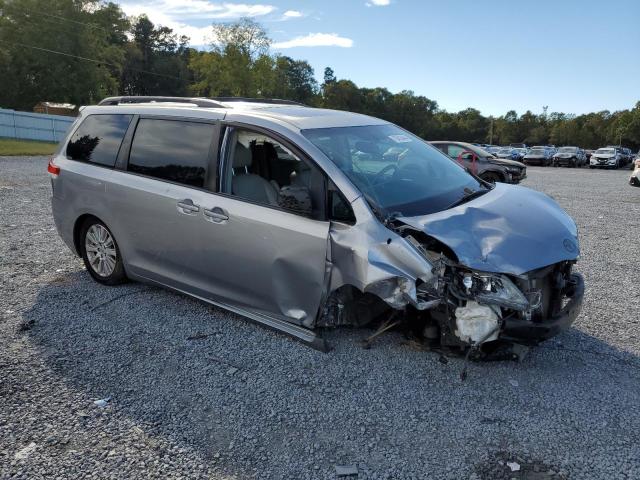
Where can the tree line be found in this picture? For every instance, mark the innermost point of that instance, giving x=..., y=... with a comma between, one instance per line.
x=79, y=51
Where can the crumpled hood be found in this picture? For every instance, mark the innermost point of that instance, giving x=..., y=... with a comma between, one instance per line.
x=507, y=162
x=511, y=229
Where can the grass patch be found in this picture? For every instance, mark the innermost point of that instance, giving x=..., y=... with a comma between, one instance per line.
x=9, y=146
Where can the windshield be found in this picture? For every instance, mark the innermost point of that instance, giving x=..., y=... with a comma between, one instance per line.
x=567, y=149
x=605, y=151
x=536, y=151
x=396, y=171
x=504, y=150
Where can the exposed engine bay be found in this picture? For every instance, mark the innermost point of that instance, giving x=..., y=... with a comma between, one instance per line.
x=458, y=310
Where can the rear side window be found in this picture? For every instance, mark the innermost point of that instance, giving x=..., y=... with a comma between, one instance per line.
x=98, y=139
x=172, y=150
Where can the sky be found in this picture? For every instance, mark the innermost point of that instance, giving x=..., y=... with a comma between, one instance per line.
x=574, y=56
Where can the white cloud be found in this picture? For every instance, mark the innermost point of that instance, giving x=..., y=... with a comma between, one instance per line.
x=378, y=3
x=178, y=14
x=203, y=9
x=199, y=36
x=316, y=40
x=292, y=14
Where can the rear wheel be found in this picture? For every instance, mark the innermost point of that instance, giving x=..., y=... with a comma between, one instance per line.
x=101, y=254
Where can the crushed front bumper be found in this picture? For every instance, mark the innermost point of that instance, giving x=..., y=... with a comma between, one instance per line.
x=515, y=177
x=535, y=161
x=565, y=162
x=532, y=333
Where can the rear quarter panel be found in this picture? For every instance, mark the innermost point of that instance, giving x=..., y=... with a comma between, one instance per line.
x=79, y=189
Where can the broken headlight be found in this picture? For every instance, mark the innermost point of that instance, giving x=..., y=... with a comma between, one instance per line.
x=493, y=289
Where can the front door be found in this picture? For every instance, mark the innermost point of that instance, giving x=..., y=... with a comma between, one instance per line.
x=264, y=235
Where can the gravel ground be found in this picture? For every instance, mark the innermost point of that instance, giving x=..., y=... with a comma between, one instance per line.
x=197, y=392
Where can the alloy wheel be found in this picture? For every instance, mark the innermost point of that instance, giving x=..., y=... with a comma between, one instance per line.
x=101, y=250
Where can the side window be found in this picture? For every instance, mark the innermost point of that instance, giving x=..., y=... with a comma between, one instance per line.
x=339, y=208
x=442, y=147
x=172, y=150
x=98, y=139
x=262, y=170
x=455, y=150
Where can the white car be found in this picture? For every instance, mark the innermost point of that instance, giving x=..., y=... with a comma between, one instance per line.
x=634, y=180
x=608, y=157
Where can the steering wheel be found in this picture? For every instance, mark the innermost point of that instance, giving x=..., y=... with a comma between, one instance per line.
x=378, y=176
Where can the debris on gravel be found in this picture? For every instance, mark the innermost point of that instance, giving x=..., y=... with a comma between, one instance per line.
x=198, y=392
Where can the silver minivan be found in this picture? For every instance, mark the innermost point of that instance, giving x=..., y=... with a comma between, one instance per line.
x=302, y=218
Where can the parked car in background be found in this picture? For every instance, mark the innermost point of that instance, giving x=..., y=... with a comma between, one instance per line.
x=508, y=153
x=624, y=153
x=569, y=157
x=538, y=156
x=493, y=150
x=588, y=153
x=634, y=180
x=520, y=153
x=607, y=157
x=482, y=163
x=518, y=145
x=264, y=209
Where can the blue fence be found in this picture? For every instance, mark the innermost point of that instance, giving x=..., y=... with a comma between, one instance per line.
x=33, y=126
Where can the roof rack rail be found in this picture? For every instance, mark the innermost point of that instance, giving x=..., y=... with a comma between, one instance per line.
x=200, y=102
x=274, y=101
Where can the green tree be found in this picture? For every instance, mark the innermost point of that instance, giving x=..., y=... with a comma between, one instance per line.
x=156, y=61
x=294, y=80
x=237, y=63
x=59, y=50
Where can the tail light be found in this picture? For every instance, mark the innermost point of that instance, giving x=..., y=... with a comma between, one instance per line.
x=53, y=169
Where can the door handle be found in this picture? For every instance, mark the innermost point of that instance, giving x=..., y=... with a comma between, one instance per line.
x=216, y=215
x=187, y=207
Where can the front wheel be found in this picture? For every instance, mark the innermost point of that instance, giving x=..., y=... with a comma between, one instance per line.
x=101, y=254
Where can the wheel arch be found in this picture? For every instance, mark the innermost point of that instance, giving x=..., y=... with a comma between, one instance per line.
x=77, y=226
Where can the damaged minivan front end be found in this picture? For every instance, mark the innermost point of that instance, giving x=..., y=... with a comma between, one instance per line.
x=489, y=276
x=508, y=275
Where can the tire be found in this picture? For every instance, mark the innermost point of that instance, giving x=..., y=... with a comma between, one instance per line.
x=491, y=177
x=101, y=254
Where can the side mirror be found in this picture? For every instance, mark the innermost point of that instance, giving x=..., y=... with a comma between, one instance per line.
x=296, y=199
